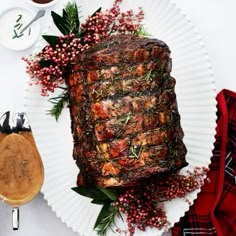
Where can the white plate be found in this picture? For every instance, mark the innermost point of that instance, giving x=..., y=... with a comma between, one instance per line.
x=12, y=21
x=197, y=105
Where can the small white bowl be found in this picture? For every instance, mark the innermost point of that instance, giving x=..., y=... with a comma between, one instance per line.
x=37, y=3
x=12, y=20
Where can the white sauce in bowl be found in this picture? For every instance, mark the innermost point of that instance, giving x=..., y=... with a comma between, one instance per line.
x=12, y=21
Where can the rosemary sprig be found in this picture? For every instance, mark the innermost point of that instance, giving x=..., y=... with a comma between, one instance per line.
x=69, y=21
x=105, y=197
x=19, y=17
x=106, y=218
x=71, y=17
x=124, y=120
x=143, y=32
x=148, y=76
x=59, y=103
x=136, y=151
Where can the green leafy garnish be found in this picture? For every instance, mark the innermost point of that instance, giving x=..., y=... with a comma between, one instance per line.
x=110, y=193
x=69, y=22
x=59, y=22
x=51, y=39
x=46, y=63
x=105, y=197
x=71, y=16
x=19, y=17
x=98, y=202
x=106, y=218
x=98, y=10
x=143, y=32
x=136, y=151
x=97, y=193
x=59, y=103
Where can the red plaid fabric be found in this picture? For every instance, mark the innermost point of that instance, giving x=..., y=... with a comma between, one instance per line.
x=214, y=211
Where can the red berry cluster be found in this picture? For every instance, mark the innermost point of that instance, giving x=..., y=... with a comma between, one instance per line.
x=103, y=24
x=141, y=209
x=47, y=67
x=50, y=76
x=144, y=206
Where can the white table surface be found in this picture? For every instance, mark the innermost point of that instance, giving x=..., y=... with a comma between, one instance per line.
x=215, y=21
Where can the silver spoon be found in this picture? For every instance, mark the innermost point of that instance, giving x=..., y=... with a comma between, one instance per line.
x=39, y=14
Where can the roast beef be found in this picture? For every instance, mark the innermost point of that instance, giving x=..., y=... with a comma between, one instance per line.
x=124, y=114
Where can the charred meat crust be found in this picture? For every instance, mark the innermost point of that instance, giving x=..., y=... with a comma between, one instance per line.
x=124, y=115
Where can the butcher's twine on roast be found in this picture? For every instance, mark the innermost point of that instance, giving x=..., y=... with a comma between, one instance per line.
x=124, y=114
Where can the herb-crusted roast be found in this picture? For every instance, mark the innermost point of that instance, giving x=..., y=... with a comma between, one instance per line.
x=125, y=119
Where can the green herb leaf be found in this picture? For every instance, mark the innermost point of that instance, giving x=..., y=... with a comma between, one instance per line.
x=64, y=13
x=45, y=63
x=19, y=17
x=106, y=218
x=59, y=103
x=71, y=17
x=102, y=215
x=98, y=10
x=143, y=32
x=93, y=193
x=110, y=193
x=59, y=21
x=99, y=202
x=52, y=40
x=69, y=22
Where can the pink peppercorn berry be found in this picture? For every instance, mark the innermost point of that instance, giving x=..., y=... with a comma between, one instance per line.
x=144, y=205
